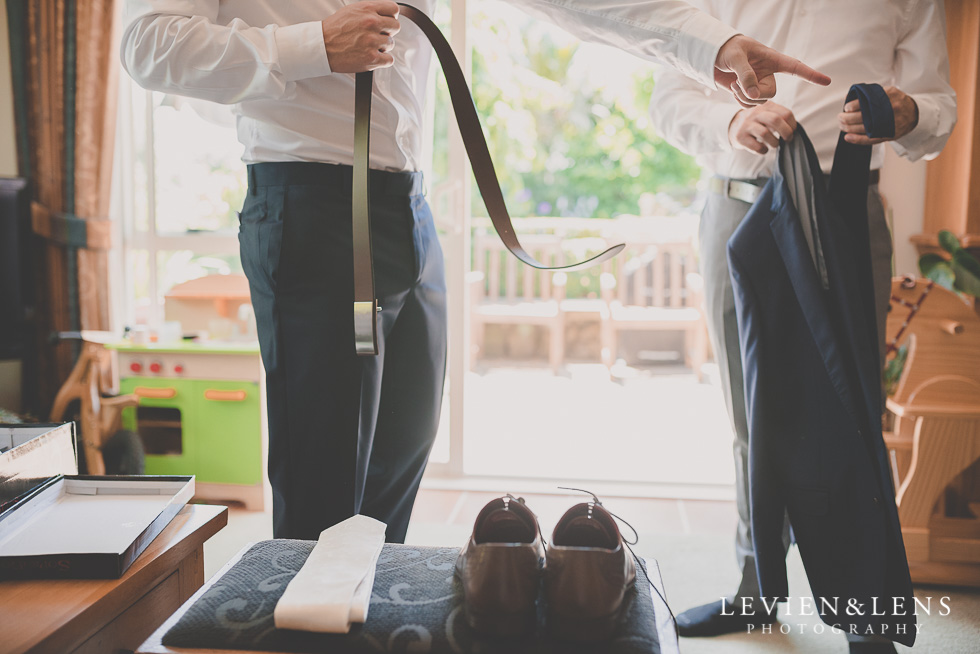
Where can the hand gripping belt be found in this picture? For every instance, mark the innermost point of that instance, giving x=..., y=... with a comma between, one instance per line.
x=365, y=301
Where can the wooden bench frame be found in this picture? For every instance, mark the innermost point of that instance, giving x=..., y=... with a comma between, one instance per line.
x=505, y=291
x=936, y=437
x=657, y=289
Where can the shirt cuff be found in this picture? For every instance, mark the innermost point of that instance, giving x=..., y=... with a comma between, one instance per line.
x=916, y=143
x=719, y=119
x=700, y=50
x=302, y=53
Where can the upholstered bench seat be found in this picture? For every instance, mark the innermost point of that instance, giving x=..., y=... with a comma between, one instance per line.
x=416, y=606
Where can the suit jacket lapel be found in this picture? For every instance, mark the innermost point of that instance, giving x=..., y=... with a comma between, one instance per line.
x=793, y=250
x=843, y=248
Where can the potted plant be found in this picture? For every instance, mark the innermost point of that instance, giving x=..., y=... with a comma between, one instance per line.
x=958, y=272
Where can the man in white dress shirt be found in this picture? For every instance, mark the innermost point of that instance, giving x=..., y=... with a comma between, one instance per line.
x=899, y=44
x=351, y=434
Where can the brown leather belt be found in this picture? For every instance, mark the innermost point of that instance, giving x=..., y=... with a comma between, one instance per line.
x=365, y=301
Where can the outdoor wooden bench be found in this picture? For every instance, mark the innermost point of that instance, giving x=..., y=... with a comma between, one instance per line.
x=654, y=287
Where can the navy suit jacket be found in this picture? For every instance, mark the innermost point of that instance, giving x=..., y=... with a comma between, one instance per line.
x=805, y=306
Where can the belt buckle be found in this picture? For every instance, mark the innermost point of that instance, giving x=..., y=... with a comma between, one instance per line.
x=743, y=192
x=726, y=187
x=366, y=327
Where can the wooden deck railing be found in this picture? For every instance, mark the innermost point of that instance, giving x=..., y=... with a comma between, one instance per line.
x=652, y=285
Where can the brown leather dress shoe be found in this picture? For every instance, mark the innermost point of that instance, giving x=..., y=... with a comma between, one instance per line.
x=500, y=569
x=588, y=575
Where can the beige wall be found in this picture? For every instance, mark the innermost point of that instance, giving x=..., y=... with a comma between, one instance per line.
x=904, y=186
x=8, y=145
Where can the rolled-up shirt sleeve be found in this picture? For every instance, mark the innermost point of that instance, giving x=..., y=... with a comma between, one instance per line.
x=177, y=46
x=669, y=31
x=922, y=71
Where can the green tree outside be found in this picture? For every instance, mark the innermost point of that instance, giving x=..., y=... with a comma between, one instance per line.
x=562, y=144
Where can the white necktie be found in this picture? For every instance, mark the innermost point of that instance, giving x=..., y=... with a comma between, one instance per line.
x=333, y=588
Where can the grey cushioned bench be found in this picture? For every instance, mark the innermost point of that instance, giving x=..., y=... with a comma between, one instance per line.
x=416, y=606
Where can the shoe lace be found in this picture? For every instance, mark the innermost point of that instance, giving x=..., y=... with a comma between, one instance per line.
x=510, y=497
x=640, y=563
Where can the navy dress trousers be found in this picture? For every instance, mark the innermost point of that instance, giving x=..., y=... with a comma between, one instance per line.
x=347, y=434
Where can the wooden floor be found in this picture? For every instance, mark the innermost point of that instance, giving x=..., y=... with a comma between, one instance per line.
x=439, y=507
x=654, y=424
x=445, y=517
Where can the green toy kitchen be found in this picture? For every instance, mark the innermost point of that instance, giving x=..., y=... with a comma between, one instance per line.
x=201, y=401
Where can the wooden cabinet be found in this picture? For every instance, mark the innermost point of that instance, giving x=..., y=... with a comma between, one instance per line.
x=200, y=413
x=211, y=429
x=228, y=425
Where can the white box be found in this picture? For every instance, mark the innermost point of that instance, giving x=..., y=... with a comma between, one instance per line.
x=66, y=526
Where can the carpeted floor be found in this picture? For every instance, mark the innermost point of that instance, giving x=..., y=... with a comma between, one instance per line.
x=699, y=568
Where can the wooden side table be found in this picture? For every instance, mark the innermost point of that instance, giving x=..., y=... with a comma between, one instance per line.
x=100, y=616
x=666, y=629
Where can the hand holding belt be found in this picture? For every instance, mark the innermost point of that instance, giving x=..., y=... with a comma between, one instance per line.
x=365, y=300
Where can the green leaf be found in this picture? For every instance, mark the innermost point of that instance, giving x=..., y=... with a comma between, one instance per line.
x=967, y=271
x=967, y=261
x=968, y=285
x=940, y=272
x=893, y=369
x=948, y=241
x=928, y=261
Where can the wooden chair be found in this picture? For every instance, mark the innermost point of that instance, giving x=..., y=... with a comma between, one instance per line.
x=508, y=292
x=89, y=382
x=658, y=288
x=936, y=436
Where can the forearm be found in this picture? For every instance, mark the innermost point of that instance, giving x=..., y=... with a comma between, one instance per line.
x=689, y=117
x=922, y=71
x=670, y=31
x=189, y=54
x=937, y=117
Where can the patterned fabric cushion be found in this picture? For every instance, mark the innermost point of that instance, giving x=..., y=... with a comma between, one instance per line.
x=416, y=606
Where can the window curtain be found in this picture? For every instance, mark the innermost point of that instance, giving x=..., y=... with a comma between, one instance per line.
x=65, y=74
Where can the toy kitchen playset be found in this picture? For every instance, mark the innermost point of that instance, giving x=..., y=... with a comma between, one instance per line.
x=201, y=403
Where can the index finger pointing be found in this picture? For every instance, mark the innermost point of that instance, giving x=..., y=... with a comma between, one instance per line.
x=799, y=69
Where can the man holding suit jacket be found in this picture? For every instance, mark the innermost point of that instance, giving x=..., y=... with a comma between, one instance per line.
x=897, y=43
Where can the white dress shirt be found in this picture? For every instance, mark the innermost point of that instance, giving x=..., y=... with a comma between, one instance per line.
x=891, y=42
x=268, y=59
